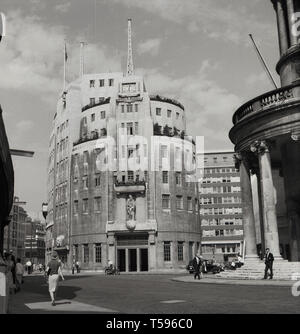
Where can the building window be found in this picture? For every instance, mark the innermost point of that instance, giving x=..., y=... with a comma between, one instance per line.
x=92, y=101
x=169, y=113
x=102, y=114
x=97, y=181
x=136, y=107
x=179, y=202
x=86, y=251
x=130, y=175
x=178, y=178
x=111, y=82
x=97, y=204
x=165, y=201
x=101, y=82
x=165, y=177
x=92, y=83
x=98, y=253
x=92, y=117
x=129, y=107
x=130, y=128
x=136, y=128
x=85, y=205
x=85, y=182
x=75, y=207
x=190, y=204
x=158, y=111
x=180, y=250
x=164, y=151
x=177, y=115
x=167, y=251
x=122, y=108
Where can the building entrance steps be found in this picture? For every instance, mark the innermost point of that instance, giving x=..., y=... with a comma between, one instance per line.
x=254, y=269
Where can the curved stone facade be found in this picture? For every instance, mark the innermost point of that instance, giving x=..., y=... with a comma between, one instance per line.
x=118, y=183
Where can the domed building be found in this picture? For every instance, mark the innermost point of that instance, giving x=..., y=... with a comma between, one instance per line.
x=119, y=185
x=266, y=135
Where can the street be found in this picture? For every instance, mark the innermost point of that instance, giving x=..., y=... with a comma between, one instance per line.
x=150, y=294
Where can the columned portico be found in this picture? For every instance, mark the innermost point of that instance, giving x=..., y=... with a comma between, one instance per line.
x=268, y=198
x=248, y=214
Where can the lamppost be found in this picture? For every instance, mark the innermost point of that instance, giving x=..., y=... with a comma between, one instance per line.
x=45, y=214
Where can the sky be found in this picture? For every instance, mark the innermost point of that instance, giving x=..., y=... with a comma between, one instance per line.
x=196, y=51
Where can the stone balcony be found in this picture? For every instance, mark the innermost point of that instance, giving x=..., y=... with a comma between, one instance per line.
x=130, y=187
x=272, y=114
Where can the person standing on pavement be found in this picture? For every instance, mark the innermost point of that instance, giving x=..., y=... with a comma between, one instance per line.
x=19, y=274
x=196, y=266
x=54, y=272
x=78, y=267
x=269, y=258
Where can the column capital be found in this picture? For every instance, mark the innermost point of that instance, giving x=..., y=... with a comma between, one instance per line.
x=260, y=147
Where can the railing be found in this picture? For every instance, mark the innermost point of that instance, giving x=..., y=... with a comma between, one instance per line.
x=92, y=105
x=166, y=99
x=265, y=101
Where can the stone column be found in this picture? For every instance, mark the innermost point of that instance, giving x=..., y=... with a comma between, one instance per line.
x=268, y=199
x=290, y=12
x=290, y=153
x=248, y=214
x=282, y=28
x=261, y=216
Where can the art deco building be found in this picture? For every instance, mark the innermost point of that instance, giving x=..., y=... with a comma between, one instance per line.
x=221, y=207
x=266, y=135
x=118, y=182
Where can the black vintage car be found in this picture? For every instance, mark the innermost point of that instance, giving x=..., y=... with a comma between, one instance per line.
x=208, y=267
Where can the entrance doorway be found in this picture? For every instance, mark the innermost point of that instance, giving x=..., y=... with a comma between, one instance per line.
x=121, y=260
x=132, y=259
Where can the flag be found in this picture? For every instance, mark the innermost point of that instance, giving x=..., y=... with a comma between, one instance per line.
x=66, y=55
x=2, y=25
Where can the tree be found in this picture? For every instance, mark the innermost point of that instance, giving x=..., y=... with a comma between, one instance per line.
x=182, y=134
x=166, y=131
x=156, y=129
x=175, y=131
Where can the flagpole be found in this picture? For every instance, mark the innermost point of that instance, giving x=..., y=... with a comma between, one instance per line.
x=65, y=65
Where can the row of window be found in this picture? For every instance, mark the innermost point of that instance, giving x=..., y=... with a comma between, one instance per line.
x=223, y=179
x=166, y=202
x=221, y=233
x=85, y=205
x=217, y=159
x=93, y=100
x=220, y=189
x=169, y=113
x=221, y=211
x=63, y=126
x=220, y=170
x=213, y=249
x=101, y=83
x=129, y=108
x=86, y=253
x=93, y=116
x=220, y=200
x=221, y=221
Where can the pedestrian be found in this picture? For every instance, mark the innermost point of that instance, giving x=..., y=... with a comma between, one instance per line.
x=28, y=265
x=73, y=267
x=78, y=266
x=269, y=258
x=9, y=273
x=196, y=266
x=19, y=274
x=54, y=272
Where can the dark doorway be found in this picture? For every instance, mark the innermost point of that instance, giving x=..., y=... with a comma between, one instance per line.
x=144, y=259
x=121, y=260
x=288, y=252
x=132, y=259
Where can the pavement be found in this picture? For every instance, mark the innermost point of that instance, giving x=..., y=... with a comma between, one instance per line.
x=210, y=279
x=87, y=293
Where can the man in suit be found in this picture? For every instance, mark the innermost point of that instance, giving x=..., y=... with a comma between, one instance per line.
x=197, y=266
x=269, y=258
